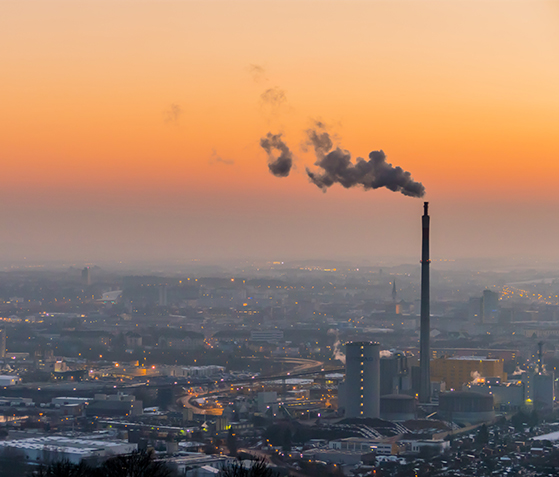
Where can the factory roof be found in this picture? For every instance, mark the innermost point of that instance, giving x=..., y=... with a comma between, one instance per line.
x=210, y=469
x=63, y=444
x=553, y=436
x=195, y=458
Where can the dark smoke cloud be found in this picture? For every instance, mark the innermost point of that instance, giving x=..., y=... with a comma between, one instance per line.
x=274, y=97
x=337, y=167
x=279, y=166
x=320, y=140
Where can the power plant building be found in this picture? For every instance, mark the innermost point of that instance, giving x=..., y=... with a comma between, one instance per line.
x=362, y=381
x=394, y=374
x=397, y=407
x=466, y=407
x=460, y=370
x=543, y=390
x=507, y=395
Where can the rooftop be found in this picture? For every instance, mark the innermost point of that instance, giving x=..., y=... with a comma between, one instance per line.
x=63, y=444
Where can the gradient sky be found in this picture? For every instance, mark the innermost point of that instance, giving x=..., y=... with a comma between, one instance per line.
x=130, y=129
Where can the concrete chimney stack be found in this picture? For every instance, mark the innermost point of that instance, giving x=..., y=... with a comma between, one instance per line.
x=424, y=348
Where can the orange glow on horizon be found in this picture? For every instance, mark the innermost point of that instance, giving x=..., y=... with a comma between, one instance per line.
x=124, y=109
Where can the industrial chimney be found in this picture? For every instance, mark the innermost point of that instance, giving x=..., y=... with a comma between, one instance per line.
x=424, y=349
x=540, y=357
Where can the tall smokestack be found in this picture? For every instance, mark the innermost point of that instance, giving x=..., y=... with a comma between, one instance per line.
x=424, y=349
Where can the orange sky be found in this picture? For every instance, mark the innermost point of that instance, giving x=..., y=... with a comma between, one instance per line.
x=462, y=94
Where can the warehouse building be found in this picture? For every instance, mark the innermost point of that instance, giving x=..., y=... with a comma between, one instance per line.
x=56, y=448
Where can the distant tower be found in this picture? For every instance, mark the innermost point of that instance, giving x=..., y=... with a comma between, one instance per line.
x=424, y=348
x=2, y=343
x=394, y=292
x=86, y=277
x=163, y=295
x=489, y=306
x=362, y=379
x=543, y=389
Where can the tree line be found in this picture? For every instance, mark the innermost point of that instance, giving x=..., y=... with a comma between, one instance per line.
x=137, y=464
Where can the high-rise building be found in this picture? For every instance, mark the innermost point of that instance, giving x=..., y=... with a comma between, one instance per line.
x=489, y=306
x=86, y=277
x=362, y=379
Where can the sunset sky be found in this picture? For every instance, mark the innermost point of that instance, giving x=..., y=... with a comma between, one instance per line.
x=129, y=130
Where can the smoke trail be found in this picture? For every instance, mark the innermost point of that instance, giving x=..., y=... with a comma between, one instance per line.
x=173, y=114
x=336, y=351
x=321, y=141
x=273, y=97
x=475, y=376
x=279, y=166
x=518, y=371
x=337, y=168
x=257, y=72
x=215, y=159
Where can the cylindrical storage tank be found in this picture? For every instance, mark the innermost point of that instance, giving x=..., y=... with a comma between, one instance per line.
x=362, y=379
x=466, y=407
x=397, y=407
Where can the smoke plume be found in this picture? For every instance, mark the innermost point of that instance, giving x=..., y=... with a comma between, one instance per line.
x=336, y=167
x=475, y=376
x=320, y=140
x=215, y=159
x=279, y=166
x=273, y=97
x=518, y=371
x=257, y=72
x=336, y=351
x=173, y=114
